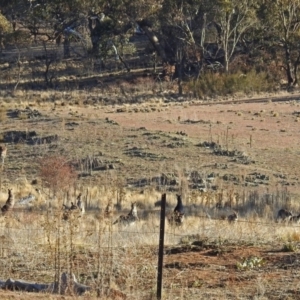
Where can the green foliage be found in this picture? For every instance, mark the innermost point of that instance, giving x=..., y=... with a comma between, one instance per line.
x=226, y=5
x=5, y=25
x=250, y=263
x=290, y=242
x=183, y=30
x=18, y=38
x=289, y=247
x=212, y=84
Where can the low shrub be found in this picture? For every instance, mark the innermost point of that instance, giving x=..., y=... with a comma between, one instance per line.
x=215, y=84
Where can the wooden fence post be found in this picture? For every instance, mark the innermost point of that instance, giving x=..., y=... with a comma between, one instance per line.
x=161, y=246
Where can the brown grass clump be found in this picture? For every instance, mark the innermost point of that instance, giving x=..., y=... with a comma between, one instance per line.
x=293, y=237
x=3, y=114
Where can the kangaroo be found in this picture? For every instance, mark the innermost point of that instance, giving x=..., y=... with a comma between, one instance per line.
x=69, y=211
x=80, y=204
x=73, y=206
x=3, y=152
x=177, y=217
x=283, y=215
x=233, y=217
x=108, y=210
x=9, y=204
x=129, y=219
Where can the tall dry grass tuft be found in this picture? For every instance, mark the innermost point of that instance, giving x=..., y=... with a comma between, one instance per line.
x=123, y=260
x=3, y=114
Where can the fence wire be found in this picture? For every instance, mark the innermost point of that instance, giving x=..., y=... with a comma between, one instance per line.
x=100, y=253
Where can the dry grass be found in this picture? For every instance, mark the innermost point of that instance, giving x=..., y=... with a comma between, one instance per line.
x=125, y=258
x=128, y=159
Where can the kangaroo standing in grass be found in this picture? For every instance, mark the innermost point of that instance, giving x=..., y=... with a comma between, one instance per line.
x=73, y=206
x=130, y=219
x=66, y=212
x=80, y=204
x=108, y=210
x=3, y=152
x=10, y=202
x=233, y=217
x=177, y=217
x=283, y=215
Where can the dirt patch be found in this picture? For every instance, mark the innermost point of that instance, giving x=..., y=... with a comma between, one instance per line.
x=208, y=271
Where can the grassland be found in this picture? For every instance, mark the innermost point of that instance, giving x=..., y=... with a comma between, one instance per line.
x=243, y=156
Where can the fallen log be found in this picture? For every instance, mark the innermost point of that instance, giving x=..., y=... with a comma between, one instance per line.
x=22, y=285
x=67, y=284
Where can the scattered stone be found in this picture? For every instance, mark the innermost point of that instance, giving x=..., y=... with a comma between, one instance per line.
x=107, y=120
x=166, y=179
x=221, y=166
x=26, y=113
x=188, y=121
x=231, y=177
x=72, y=124
x=43, y=140
x=136, y=152
x=18, y=136
x=296, y=113
x=181, y=133
x=29, y=137
x=210, y=145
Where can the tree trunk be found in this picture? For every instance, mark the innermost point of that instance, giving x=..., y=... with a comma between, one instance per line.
x=95, y=39
x=179, y=69
x=226, y=62
x=67, y=52
x=296, y=64
x=154, y=41
x=202, y=41
x=289, y=67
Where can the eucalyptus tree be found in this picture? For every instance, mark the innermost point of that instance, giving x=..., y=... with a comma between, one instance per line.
x=176, y=30
x=282, y=26
x=233, y=18
x=5, y=28
x=182, y=27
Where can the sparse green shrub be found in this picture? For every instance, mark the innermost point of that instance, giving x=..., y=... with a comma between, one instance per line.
x=250, y=263
x=289, y=247
x=212, y=84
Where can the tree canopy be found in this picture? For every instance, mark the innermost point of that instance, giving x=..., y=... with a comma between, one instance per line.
x=193, y=35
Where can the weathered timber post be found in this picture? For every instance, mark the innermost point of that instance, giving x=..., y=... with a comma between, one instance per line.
x=161, y=246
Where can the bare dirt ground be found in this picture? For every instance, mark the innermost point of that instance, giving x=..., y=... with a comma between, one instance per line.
x=146, y=139
x=217, y=276
x=136, y=143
